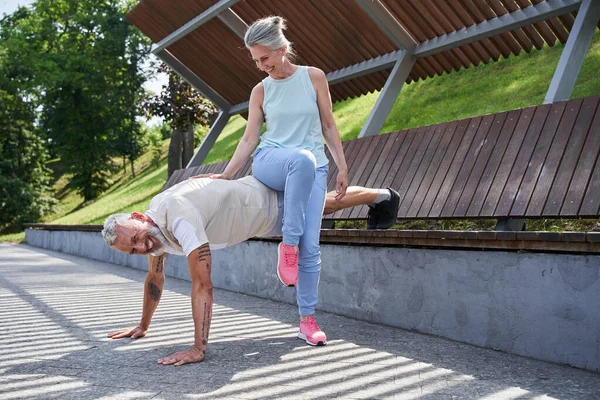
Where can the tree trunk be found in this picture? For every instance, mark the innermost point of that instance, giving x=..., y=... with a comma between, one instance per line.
x=132, y=168
x=188, y=145
x=175, y=152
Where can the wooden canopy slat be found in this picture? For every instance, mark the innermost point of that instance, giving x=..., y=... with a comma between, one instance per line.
x=332, y=37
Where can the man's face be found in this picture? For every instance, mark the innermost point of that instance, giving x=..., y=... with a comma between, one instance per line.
x=139, y=237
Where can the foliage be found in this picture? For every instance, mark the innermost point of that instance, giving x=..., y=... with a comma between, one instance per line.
x=183, y=108
x=24, y=178
x=81, y=64
x=179, y=103
x=154, y=141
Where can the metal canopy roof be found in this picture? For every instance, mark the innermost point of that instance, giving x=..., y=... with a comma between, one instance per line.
x=355, y=41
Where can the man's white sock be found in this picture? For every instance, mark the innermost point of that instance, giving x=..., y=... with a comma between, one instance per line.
x=382, y=195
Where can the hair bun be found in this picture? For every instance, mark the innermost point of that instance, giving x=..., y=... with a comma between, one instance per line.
x=279, y=21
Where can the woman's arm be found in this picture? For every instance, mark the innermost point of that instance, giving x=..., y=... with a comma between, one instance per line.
x=250, y=139
x=330, y=130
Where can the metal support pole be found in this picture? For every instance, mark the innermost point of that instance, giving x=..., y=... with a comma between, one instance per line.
x=574, y=52
x=388, y=95
x=210, y=139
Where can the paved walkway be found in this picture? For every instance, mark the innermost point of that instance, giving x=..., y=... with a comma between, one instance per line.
x=56, y=309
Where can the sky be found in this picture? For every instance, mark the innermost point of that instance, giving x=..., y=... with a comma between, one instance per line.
x=8, y=6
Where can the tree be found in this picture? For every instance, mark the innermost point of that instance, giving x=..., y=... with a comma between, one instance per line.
x=24, y=178
x=87, y=82
x=182, y=107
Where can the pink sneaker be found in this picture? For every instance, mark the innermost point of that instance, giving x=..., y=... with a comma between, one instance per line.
x=310, y=332
x=287, y=264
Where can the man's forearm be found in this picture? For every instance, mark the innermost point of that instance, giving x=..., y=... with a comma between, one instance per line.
x=202, y=302
x=153, y=287
x=199, y=262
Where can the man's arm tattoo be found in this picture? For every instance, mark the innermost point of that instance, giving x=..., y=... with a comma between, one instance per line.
x=160, y=264
x=204, y=253
x=154, y=291
x=204, y=321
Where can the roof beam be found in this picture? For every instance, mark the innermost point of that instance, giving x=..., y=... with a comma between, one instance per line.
x=209, y=140
x=234, y=22
x=388, y=95
x=194, y=24
x=511, y=21
x=193, y=79
x=505, y=23
x=388, y=23
x=573, y=54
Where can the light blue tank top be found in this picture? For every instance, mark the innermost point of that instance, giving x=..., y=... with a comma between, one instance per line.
x=292, y=115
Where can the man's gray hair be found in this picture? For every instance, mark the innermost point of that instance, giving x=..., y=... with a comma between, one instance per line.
x=109, y=233
x=268, y=32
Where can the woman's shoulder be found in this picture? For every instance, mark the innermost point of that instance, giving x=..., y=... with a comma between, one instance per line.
x=315, y=72
x=258, y=89
x=317, y=77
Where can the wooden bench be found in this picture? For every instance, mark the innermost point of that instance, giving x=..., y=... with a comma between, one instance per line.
x=537, y=162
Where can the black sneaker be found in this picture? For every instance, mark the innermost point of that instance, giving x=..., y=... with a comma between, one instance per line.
x=372, y=217
x=388, y=211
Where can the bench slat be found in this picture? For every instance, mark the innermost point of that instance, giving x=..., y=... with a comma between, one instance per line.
x=493, y=138
x=570, y=157
x=433, y=189
x=432, y=169
x=493, y=165
x=511, y=187
x=536, y=162
x=541, y=161
x=370, y=169
x=467, y=166
x=382, y=153
x=506, y=165
x=453, y=170
x=355, y=169
x=396, y=176
x=364, y=170
x=589, y=156
x=542, y=189
x=408, y=195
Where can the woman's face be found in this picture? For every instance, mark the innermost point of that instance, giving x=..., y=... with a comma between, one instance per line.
x=268, y=60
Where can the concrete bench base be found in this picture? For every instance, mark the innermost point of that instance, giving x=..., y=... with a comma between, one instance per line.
x=538, y=305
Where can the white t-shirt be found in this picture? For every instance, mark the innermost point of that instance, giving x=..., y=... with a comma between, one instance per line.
x=219, y=212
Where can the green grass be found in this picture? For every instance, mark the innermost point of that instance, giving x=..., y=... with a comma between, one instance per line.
x=510, y=83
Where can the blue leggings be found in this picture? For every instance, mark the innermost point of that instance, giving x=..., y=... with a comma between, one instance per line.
x=294, y=172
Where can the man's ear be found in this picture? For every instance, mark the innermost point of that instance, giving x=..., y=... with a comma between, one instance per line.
x=139, y=216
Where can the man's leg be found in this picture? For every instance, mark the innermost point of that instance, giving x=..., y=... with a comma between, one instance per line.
x=383, y=204
x=355, y=196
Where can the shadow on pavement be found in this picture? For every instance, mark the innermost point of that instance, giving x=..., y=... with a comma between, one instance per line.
x=56, y=309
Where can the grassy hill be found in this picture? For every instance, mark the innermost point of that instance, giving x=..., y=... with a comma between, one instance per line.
x=510, y=83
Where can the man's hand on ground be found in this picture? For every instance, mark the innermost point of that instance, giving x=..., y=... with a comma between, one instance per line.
x=183, y=357
x=133, y=333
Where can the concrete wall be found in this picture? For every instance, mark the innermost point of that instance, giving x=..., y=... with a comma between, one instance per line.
x=540, y=305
